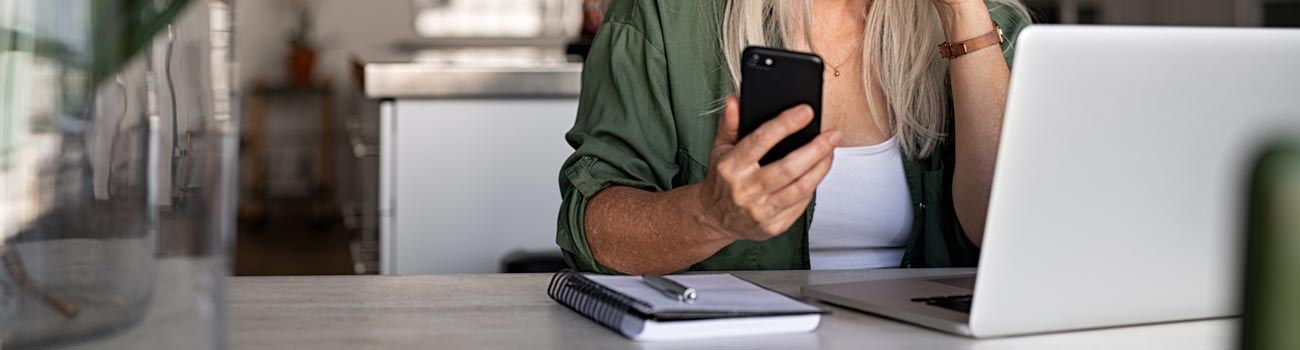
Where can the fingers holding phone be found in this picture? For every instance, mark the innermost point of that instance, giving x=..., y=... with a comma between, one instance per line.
x=766, y=180
x=770, y=133
x=802, y=170
x=743, y=200
x=769, y=154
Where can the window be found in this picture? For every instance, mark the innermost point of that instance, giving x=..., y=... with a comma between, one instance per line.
x=498, y=18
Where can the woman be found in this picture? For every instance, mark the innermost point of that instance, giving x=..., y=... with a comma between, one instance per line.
x=659, y=182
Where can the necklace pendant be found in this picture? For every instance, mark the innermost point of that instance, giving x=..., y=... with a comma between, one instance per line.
x=837, y=72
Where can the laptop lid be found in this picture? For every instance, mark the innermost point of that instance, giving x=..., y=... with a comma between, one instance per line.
x=1117, y=194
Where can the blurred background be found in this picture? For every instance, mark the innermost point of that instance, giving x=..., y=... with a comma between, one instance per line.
x=321, y=77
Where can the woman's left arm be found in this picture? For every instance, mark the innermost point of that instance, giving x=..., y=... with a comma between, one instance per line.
x=979, y=94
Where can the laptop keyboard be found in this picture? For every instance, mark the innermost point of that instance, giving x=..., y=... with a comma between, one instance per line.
x=959, y=303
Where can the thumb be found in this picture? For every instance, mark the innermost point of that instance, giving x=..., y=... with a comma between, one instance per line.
x=728, y=124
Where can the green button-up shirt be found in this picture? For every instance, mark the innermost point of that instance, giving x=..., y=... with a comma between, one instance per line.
x=652, y=87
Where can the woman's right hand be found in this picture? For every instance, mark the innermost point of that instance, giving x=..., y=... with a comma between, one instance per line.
x=741, y=200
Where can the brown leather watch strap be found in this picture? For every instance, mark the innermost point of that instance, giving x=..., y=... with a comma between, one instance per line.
x=957, y=49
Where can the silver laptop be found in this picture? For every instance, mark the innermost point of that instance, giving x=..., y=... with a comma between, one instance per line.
x=1119, y=187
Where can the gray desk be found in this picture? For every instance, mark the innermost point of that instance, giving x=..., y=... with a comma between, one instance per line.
x=513, y=312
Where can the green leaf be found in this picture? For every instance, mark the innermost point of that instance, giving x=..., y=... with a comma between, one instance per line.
x=124, y=28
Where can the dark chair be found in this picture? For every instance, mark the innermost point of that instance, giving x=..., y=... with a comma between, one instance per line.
x=522, y=261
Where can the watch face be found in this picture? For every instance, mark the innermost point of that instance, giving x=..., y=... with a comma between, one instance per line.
x=1272, y=297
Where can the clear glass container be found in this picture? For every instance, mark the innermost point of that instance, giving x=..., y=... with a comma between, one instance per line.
x=116, y=166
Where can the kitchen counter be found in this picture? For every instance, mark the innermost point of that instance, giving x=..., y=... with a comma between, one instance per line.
x=477, y=73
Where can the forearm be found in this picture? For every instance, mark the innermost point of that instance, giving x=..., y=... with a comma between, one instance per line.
x=979, y=91
x=634, y=231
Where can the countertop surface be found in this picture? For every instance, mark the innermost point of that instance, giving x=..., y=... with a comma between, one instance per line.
x=512, y=311
x=476, y=72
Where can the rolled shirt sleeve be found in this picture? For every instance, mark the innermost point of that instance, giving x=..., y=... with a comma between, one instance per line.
x=623, y=135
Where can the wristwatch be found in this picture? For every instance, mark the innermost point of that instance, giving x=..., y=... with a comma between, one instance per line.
x=957, y=49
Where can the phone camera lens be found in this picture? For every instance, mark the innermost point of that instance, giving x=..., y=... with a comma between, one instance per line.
x=753, y=60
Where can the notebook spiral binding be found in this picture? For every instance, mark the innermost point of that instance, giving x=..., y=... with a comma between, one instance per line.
x=586, y=297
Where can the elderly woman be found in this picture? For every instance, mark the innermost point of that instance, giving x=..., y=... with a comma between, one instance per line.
x=914, y=92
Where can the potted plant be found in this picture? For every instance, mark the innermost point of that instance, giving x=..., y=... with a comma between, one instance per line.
x=302, y=47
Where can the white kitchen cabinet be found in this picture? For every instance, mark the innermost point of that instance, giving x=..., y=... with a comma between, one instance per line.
x=466, y=181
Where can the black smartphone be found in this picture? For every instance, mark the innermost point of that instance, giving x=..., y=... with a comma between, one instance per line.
x=1271, y=310
x=772, y=81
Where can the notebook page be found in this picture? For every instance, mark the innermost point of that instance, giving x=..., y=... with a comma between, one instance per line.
x=716, y=293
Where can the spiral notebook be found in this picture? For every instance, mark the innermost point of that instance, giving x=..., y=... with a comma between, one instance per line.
x=726, y=306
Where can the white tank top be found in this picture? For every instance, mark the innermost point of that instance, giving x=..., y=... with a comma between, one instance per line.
x=863, y=215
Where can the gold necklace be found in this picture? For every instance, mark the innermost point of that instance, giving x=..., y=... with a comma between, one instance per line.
x=857, y=49
x=835, y=68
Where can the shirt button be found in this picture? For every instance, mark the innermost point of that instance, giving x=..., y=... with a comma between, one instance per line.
x=922, y=205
